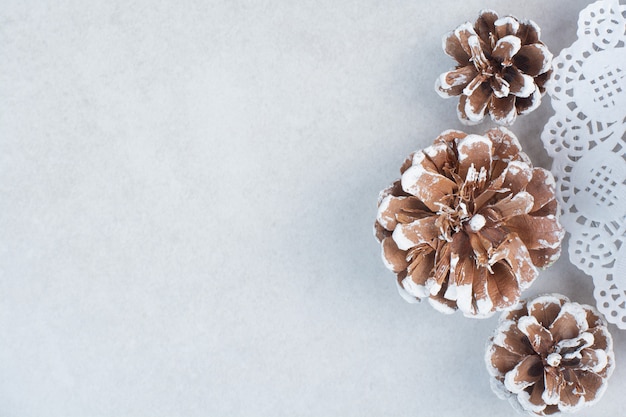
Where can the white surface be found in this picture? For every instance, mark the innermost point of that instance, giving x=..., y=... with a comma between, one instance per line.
x=187, y=196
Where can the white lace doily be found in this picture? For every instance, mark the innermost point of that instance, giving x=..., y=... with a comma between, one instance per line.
x=587, y=139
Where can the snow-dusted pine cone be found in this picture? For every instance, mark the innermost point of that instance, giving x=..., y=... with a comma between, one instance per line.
x=550, y=355
x=501, y=70
x=468, y=222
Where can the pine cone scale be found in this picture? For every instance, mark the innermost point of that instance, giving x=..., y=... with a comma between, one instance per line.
x=476, y=151
x=513, y=340
x=421, y=268
x=542, y=187
x=463, y=34
x=521, y=85
x=528, y=32
x=505, y=49
x=514, y=206
x=506, y=26
x=485, y=24
x=527, y=372
x=436, y=190
x=418, y=232
x=477, y=102
x=565, y=326
x=394, y=258
x=454, y=82
x=453, y=48
x=480, y=287
x=535, y=402
x=533, y=59
x=503, y=360
x=539, y=337
x=544, y=310
x=503, y=286
x=503, y=110
x=537, y=232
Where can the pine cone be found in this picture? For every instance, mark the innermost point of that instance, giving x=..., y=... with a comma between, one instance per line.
x=551, y=355
x=468, y=222
x=502, y=68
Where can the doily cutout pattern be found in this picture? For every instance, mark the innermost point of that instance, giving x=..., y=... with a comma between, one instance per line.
x=587, y=139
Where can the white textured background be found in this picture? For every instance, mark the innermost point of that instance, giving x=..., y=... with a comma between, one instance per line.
x=187, y=192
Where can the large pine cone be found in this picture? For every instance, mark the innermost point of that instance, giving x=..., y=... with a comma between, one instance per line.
x=468, y=222
x=502, y=68
x=550, y=355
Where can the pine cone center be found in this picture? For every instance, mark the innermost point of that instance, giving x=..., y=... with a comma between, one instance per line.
x=461, y=213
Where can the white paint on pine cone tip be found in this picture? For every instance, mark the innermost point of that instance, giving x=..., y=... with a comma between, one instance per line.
x=508, y=119
x=514, y=41
x=408, y=297
x=578, y=312
x=485, y=11
x=544, y=243
x=515, y=167
x=464, y=120
x=535, y=102
x=418, y=157
x=442, y=86
x=402, y=241
x=474, y=115
x=524, y=322
x=528, y=87
x=547, y=58
x=414, y=289
x=572, y=408
x=549, y=180
x=387, y=264
x=441, y=307
x=535, y=26
x=508, y=20
x=511, y=384
x=489, y=351
x=410, y=180
x=444, y=39
x=468, y=143
x=485, y=306
x=464, y=298
x=467, y=26
x=384, y=193
x=603, y=360
x=432, y=150
x=432, y=286
x=451, y=293
x=386, y=221
x=547, y=299
x=499, y=337
x=524, y=400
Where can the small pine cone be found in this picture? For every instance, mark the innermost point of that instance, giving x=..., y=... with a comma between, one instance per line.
x=550, y=355
x=502, y=68
x=468, y=222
